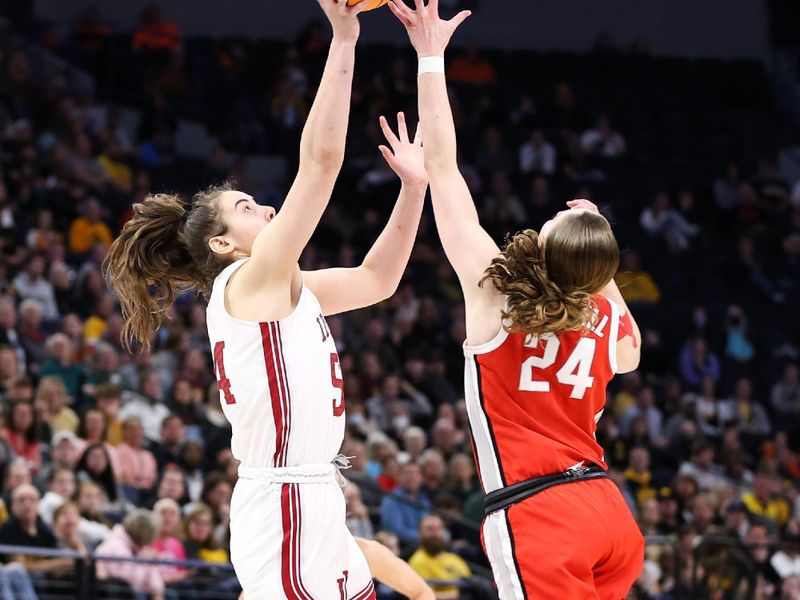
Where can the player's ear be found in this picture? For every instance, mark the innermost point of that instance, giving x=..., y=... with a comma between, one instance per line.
x=221, y=246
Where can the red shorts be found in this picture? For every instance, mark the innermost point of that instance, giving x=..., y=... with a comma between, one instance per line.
x=576, y=541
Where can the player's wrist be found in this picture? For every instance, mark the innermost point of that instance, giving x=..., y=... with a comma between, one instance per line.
x=431, y=63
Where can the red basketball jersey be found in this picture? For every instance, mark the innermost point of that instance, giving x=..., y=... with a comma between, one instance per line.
x=534, y=401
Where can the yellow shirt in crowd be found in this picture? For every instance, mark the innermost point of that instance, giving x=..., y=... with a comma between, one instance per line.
x=776, y=509
x=445, y=566
x=637, y=287
x=83, y=235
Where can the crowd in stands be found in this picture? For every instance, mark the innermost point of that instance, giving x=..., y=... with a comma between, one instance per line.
x=128, y=455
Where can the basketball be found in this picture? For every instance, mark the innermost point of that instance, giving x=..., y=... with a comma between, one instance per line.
x=371, y=4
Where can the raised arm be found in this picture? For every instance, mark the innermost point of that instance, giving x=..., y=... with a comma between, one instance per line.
x=377, y=278
x=277, y=248
x=467, y=245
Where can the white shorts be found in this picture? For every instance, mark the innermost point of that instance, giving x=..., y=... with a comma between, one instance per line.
x=289, y=539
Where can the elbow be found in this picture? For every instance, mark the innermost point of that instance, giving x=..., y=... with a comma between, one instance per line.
x=324, y=159
x=439, y=162
x=629, y=363
x=385, y=291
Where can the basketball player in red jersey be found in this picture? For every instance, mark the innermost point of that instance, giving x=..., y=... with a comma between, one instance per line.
x=546, y=331
x=276, y=363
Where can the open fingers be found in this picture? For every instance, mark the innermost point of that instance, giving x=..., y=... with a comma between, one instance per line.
x=388, y=156
x=418, y=135
x=402, y=129
x=403, y=12
x=459, y=19
x=388, y=133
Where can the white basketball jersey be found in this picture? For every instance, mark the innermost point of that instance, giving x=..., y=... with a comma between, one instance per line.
x=280, y=382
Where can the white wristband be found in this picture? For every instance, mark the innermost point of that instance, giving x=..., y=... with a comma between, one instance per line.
x=431, y=64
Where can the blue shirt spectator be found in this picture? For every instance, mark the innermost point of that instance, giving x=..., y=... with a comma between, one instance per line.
x=403, y=510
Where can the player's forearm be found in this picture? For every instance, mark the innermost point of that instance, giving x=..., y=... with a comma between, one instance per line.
x=394, y=572
x=388, y=257
x=323, y=139
x=451, y=206
x=436, y=117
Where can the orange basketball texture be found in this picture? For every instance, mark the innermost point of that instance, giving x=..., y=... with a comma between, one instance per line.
x=371, y=4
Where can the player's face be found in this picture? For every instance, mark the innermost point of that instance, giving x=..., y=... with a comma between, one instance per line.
x=244, y=219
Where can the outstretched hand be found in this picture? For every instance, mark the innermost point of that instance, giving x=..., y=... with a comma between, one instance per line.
x=343, y=18
x=406, y=157
x=582, y=203
x=428, y=32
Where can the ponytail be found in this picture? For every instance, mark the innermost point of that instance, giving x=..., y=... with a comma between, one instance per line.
x=148, y=264
x=163, y=251
x=534, y=303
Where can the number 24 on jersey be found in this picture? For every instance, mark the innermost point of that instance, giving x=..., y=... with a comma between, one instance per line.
x=575, y=371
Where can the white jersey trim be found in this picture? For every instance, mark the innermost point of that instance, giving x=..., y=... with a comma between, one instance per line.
x=612, y=335
x=500, y=550
x=482, y=434
x=224, y=277
x=489, y=346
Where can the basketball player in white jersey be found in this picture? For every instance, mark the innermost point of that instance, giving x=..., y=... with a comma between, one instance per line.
x=275, y=361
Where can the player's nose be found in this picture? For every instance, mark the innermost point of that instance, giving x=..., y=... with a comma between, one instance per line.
x=269, y=213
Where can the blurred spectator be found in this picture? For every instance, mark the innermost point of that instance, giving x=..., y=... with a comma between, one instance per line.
x=537, y=155
x=726, y=188
x=138, y=471
x=432, y=468
x=636, y=285
x=737, y=345
x=109, y=399
x=23, y=434
x=25, y=528
x=139, y=529
x=172, y=435
x=167, y=544
x=706, y=474
x=62, y=363
x=748, y=416
x=403, y=510
x=95, y=466
x=602, y=141
x=698, y=363
x=785, y=398
x=358, y=521
x=155, y=33
x=638, y=477
x=758, y=539
x=432, y=561
x=470, y=67
x=198, y=527
x=172, y=485
x=461, y=477
x=146, y=405
x=89, y=499
x=87, y=229
x=765, y=499
x=66, y=525
x=31, y=284
x=51, y=405
x=659, y=219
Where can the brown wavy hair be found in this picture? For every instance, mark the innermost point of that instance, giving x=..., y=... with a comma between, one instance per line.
x=549, y=286
x=163, y=251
